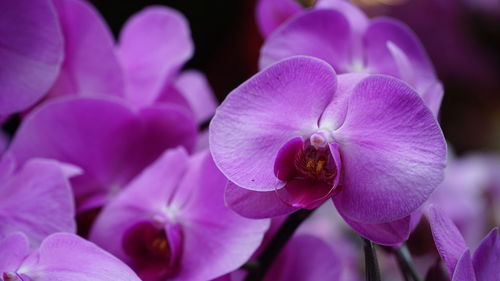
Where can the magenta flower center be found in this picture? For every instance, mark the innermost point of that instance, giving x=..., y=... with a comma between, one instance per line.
x=307, y=160
x=315, y=163
x=310, y=169
x=147, y=241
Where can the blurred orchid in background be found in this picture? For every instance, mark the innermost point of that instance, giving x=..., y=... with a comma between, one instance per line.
x=171, y=220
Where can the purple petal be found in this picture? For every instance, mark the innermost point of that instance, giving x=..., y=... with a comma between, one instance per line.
x=487, y=257
x=273, y=108
x=202, y=141
x=255, y=204
x=461, y=196
x=90, y=65
x=464, y=270
x=172, y=96
x=449, y=242
x=272, y=13
x=388, y=233
x=356, y=17
x=7, y=166
x=324, y=34
x=393, y=152
x=31, y=52
x=283, y=167
x=306, y=258
x=335, y=112
x=305, y=194
x=392, y=48
x=154, y=44
x=212, y=232
x=13, y=250
x=109, y=141
x=144, y=196
x=38, y=201
x=65, y=256
x=195, y=88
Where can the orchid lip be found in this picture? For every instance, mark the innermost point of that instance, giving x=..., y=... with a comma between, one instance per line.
x=310, y=169
x=153, y=247
x=146, y=240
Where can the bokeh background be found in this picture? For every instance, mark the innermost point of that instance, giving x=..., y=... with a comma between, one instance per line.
x=462, y=38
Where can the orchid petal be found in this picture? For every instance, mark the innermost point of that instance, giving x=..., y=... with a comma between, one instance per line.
x=90, y=65
x=393, y=152
x=13, y=250
x=389, y=233
x=270, y=14
x=153, y=46
x=392, y=48
x=449, y=242
x=68, y=257
x=324, y=34
x=31, y=52
x=487, y=257
x=38, y=201
x=194, y=86
x=464, y=270
x=255, y=204
x=212, y=232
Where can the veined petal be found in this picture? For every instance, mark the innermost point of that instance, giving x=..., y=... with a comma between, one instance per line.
x=388, y=233
x=356, y=17
x=449, y=242
x=324, y=34
x=64, y=256
x=90, y=65
x=487, y=257
x=334, y=114
x=153, y=46
x=13, y=250
x=393, y=152
x=38, y=201
x=464, y=270
x=194, y=86
x=270, y=14
x=260, y=116
x=255, y=204
x=392, y=48
x=212, y=231
x=31, y=52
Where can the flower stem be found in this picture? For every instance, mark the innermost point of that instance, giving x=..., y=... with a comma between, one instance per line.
x=266, y=258
x=406, y=263
x=371, y=263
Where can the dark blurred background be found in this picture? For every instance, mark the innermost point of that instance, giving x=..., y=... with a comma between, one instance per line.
x=463, y=43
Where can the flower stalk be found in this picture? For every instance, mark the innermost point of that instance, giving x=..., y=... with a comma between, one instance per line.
x=372, y=270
